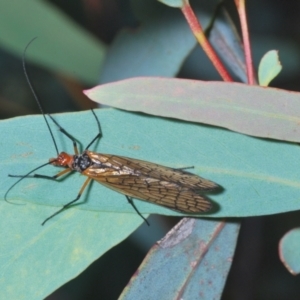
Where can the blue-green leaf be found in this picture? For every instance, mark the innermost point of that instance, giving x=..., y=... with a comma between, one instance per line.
x=256, y=174
x=35, y=260
x=289, y=251
x=269, y=68
x=193, y=259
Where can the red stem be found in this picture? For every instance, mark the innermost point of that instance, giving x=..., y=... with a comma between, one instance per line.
x=203, y=41
x=245, y=33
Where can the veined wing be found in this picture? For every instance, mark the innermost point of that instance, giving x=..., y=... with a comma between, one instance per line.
x=126, y=165
x=148, y=181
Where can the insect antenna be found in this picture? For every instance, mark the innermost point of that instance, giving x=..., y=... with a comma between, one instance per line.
x=99, y=134
x=42, y=111
x=130, y=201
x=35, y=95
x=22, y=177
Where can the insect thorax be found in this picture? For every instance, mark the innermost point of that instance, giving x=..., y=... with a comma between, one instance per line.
x=81, y=162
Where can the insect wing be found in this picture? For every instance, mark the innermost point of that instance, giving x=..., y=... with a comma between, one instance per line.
x=151, y=182
x=151, y=170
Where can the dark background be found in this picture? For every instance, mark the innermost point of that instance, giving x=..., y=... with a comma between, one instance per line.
x=257, y=272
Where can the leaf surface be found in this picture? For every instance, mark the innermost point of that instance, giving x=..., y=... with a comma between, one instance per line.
x=193, y=259
x=256, y=174
x=253, y=110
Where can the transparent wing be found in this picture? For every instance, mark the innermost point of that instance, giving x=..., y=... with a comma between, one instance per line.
x=161, y=185
x=126, y=165
x=159, y=192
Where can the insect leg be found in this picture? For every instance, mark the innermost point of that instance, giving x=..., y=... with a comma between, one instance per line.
x=63, y=131
x=99, y=134
x=130, y=201
x=43, y=176
x=184, y=168
x=71, y=202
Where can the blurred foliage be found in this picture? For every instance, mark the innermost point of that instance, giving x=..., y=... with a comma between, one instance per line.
x=257, y=272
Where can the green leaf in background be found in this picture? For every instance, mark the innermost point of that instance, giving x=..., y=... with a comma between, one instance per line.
x=149, y=51
x=62, y=45
x=254, y=110
x=193, y=259
x=269, y=67
x=164, y=41
x=227, y=43
x=256, y=174
x=173, y=3
x=289, y=251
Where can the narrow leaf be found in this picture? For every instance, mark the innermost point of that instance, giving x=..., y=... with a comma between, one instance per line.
x=193, y=259
x=253, y=110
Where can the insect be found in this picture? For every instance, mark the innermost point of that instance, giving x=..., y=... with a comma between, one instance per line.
x=172, y=188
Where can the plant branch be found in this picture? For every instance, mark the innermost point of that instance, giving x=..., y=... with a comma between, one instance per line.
x=203, y=41
x=240, y=4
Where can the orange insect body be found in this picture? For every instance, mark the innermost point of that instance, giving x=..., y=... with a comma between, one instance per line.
x=144, y=180
x=63, y=160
